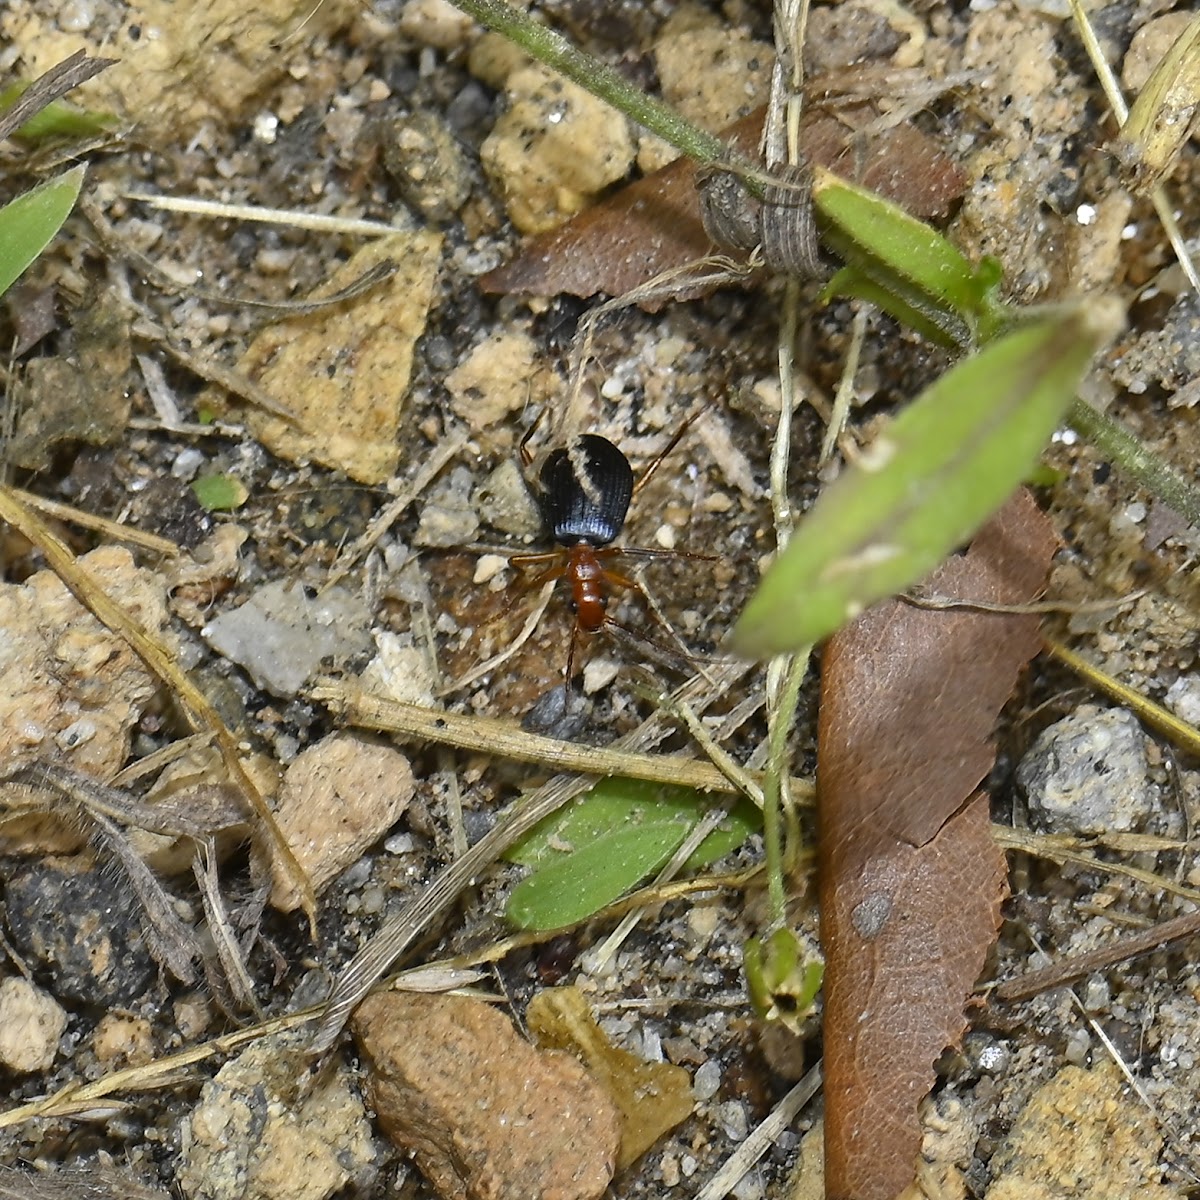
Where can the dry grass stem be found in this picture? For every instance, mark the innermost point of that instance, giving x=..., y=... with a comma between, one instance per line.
x=269, y=216
x=1186, y=737
x=160, y=662
x=489, y=735
x=113, y=531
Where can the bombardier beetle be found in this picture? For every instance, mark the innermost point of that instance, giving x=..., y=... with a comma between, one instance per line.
x=584, y=497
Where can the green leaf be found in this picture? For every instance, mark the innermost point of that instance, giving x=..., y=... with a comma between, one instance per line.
x=28, y=223
x=593, y=876
x=220, y=493
x=606, y=842
x=906, y=267
x=927, y=483
x=59, y=118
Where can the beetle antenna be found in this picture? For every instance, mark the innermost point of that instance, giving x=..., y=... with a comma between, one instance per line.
x=657, y=461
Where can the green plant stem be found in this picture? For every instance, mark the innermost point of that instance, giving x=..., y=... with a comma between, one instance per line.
x=553, y=50
x=783, y=713
x=1130, y=456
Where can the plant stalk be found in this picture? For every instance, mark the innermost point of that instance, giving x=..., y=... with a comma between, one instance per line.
x=1135, y=459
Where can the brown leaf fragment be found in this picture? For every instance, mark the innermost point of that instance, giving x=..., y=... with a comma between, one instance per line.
x=654, y=225
x=909, y=695
x=910, y=879
x=652, y=1097
x=912, y=931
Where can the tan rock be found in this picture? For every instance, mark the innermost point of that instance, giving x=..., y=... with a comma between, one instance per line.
x=498, y=377
x=31, y=1023
x=72, y=689
x=121, y=1038
x=251, y=1136
x=344, y=372
x=554, y=150
x=484, y=1114
x=1085, y=1135
x=338, y=798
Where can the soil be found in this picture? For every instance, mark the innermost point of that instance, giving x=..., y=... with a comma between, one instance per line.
x=384, y=115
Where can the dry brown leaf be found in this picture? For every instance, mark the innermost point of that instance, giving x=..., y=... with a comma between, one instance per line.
x=652, y=1097
x=653, y=225
x=910, y=880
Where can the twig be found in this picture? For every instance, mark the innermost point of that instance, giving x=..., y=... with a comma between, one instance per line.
x=505, y=739
x=113, y=530
x=1076, y=966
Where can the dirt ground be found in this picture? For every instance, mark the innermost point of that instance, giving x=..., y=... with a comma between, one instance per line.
x=395, y=114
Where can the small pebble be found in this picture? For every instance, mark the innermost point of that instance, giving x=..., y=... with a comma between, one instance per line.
x=1183, y=699
x=254, y=1134
x=599, y=673
x=31, y=1022
x=122, y=1039
x=423, y=156
x=187, y=463
x=732, y=1115
x=707, y=1080
x=1087, y=774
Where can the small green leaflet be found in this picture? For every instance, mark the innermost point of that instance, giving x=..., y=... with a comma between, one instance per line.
x=28, y=223
x=927, y=483
x=608, y=841
x=220, y=493
x=906, y=267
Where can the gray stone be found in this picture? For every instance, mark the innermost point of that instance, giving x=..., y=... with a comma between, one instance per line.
x=285, y=631
x=1087, y=774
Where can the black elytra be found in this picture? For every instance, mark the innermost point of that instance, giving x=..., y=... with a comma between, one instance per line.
x=591, y=512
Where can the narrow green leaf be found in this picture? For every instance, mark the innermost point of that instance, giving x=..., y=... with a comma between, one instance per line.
x=220, y=493
x=892, y=296
x=607, y=841
x=593, y=876
x=29, y=223
x=927, y=483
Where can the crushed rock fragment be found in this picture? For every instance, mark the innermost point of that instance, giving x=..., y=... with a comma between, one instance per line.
x=484, y=1114
x=338, y=798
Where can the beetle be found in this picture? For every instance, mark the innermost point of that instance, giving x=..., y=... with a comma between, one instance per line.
x=584, y=495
